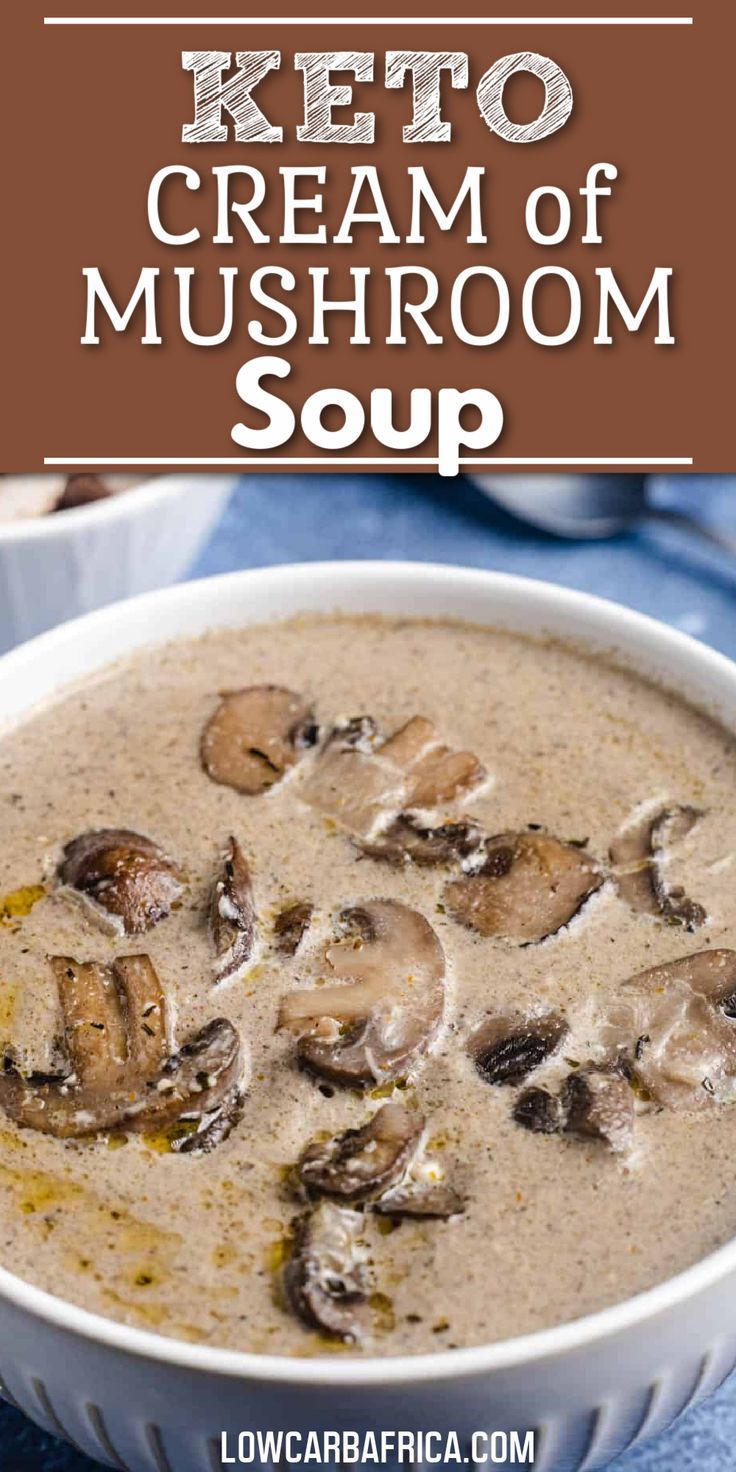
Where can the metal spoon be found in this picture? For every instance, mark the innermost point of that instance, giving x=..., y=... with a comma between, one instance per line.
x=588, y=506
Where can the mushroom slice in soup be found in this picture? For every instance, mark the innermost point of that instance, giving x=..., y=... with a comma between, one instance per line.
x=638, y=853
x=530, y=886
x=599, y=1105
x=675, y=1026
x=406, y=841
x=372, y=1029
x=349, y=783
x=359, y=780
x=291, y=926
x=233, y=915
x=123, y=1073
x=127, y=880
x=538, y=1110
x=324, y=1278
x=505, y=1050
x=422, y=1200
x=255, y=736
x=361, y=1164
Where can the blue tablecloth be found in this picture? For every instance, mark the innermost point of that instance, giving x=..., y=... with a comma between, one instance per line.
x=289, y=518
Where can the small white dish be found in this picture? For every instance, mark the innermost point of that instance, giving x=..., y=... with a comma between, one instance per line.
x=53, y=568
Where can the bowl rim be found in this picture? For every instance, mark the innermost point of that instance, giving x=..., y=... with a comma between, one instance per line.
x=150, y=490
x=366, y=1371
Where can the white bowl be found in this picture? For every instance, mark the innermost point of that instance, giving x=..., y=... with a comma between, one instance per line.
x=588, y=1389
x=55, y=567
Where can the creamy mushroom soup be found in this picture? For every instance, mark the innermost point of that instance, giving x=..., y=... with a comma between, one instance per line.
x=366, y=985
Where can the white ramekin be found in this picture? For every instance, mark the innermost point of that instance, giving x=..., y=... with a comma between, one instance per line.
x=53, y=568
x=588, y=1389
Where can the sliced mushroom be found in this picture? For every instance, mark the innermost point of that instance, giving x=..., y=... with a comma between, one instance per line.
x=123, y=1072
x=406, y=841
x=421, y=1199
x=143, y=1012
x=291, y=926
x=359, y=781
x=538, y=1110
x=599, y=1106
x=128, y=881
x=324, y=1279
x=506, y=1050
x=443, y=776
x=674, y=1023
x=360, y=1164
x=638, y=852
x=373, y=1029
x=82, y=490
x=530, y=886
x=255, y=736
x=212, y=1128
x=233, y=915
x=349, y=783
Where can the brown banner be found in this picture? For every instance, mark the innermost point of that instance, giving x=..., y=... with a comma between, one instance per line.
x=97, y=110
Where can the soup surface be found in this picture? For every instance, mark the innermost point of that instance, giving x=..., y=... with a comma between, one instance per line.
x=475, y=1209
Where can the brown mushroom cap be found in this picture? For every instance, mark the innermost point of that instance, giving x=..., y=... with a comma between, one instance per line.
x=324, y=1280
x=530, y=886
x=379, y=1024
x=637, y=853
x=599, y=1106
x=360, y=1164
x=123, y=1072
x=505, y=1050
x=233, y=915
x=255, y=736
x=675, y=1025
x=126, y=878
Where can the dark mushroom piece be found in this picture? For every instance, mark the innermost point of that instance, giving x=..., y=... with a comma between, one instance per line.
x=638, y=852
x=255, y=736
x=324, y=1280
x=599, y=1105
x=406, y=841
x=233, y=915
x=212, y=1128
x=674, y=1025
x=372, y=1030
x=82, y=490
x=530, y=886
x=539, y=1111
x=505, y=1050
x=361, y=1164
x=128, y=882
x=291, y=926
x=421, y=1200
x=121, y=1070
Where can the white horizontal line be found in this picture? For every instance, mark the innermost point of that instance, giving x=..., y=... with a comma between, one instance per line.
x=366, y=460
x=364, y=20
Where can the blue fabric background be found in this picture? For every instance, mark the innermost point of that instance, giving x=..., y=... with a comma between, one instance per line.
x=288, y=518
